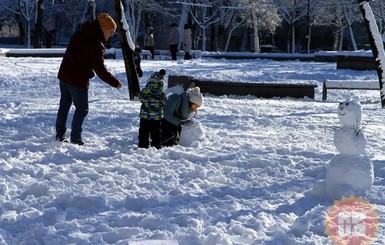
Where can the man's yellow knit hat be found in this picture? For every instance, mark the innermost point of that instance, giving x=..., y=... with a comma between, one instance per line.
x=106, y=22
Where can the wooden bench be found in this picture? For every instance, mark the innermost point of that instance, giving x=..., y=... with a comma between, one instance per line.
x=146, y=54
x=261, y=89
x=355, y=62
x=341, y=84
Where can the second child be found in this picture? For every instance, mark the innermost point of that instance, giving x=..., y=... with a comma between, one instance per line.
x=153, y=98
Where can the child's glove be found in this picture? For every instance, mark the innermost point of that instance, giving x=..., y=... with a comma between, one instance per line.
x=187, y=122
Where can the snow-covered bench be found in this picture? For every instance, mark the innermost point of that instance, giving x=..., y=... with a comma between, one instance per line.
x=258, y=89
x=49, y=53
x=342, y=84
x=146, y=54
x=166, y=55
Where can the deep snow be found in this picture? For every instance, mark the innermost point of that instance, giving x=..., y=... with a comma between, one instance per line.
x=247, y=182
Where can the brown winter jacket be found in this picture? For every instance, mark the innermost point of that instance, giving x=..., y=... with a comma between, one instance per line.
x=84, y=56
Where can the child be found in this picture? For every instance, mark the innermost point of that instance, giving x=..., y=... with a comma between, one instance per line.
x=153, y=99
x=137, y=61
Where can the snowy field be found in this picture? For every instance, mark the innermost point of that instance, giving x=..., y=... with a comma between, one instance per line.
x=247, y=182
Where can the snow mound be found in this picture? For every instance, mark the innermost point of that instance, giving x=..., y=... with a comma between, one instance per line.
x=345, y=176
x=192, y=135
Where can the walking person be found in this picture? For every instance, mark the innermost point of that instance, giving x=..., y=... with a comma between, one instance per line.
x=187, y=41
x=149, y=41
x=173, y=41
x=153, y=99
x=83, y=58
x=137, y=61
x=176, y=113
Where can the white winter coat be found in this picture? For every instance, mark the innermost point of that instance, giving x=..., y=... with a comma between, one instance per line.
x=187, y=40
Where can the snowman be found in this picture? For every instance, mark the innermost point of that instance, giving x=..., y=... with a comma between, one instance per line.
x=350, y=171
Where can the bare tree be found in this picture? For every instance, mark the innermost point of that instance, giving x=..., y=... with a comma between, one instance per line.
x=6, y=19
x=127, y=49
x=24, y=9
x=38, y=23
x=351, y=14
x=73, y=11
x=204, y=14
x=341, y=14
x=292, y=12
x=236, y=22
x=136, y=9
x=258, y=15
x=378, y=8
x=329, y=14
x=89, y=11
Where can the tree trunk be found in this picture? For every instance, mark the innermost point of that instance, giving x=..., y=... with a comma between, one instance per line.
x=204, y=39
x=341, y=43
x=229, y=37
x=375, y=43
x=308, y=40
x=38, y=24
x=293, y=38
x=21, y=29
x=127, y=50
x=352, y=38
x=90, y=11
x=256, y=36
x=28, y=34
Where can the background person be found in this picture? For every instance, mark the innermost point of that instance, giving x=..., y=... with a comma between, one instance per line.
x=173, y=41
x=176, y=113
x=137, y=61
x=149, y=42
x=187, y=41
x=83, y=58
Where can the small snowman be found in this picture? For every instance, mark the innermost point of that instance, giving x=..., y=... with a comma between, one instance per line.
x=192, y=134
x=351, y=170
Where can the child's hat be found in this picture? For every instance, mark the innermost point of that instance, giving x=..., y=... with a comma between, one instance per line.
x=159, y=75
x=195, y=96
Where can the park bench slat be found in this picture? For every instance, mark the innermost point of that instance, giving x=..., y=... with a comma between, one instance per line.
x=346, y=84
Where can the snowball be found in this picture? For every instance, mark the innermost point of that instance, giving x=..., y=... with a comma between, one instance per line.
x=300, y=226
x=191, y=133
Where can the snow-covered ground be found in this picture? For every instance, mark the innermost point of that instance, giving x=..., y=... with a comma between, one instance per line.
x=247, y=182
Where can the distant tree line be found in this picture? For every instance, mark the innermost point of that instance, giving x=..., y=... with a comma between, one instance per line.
x=296, y=26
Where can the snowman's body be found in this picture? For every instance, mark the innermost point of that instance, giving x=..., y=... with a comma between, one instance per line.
x=351, y=170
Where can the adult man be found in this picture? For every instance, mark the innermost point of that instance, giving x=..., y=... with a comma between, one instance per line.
x=83, y=58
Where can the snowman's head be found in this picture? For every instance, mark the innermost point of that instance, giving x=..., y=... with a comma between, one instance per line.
x=350, y=112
